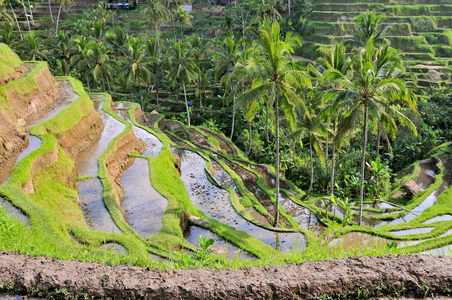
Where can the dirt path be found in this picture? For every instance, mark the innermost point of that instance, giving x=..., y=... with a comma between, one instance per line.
x=311, y=279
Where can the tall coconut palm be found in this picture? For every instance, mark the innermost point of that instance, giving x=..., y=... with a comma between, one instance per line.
x=183, y=17
x=369, y=91
x=276, y=82
x=81, y=60
x=182, y=68
x=33, y=48
x=103, y=66
x=336, y=60
x=155, y=57
x=15, y=18
x=62, y=3
x=369, y=25
x=311, y=126
x=137, y=64
x=156, y=12
x=199, y=51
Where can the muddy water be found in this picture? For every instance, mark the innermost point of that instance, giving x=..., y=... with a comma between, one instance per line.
x=143, y=205
x=220, y=246
x=90, y=191
x=439, y=219
x=446, y=250
x=153, y=144
x=216, y=204
x=301, y=215
x=114, y=247
x=427, y=174
x=412, y=231
x=418, y=210
x=34, y=143
x=9, y=208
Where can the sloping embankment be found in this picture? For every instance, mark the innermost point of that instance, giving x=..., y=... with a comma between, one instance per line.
x=409, y=275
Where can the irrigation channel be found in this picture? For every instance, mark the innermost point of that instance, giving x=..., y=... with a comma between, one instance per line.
x=426, y=177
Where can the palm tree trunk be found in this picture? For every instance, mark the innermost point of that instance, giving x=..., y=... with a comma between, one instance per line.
x=199, y=87
x=50, y=10
x=103, y=81
x=58, y=18
x=249, y=141
x=363, y=164
x=233, y=117
x=378, y=140
x=31, y=13
x=180, y=26
x=311, y=167
x=333, y=154
x=17, y=22
x=156, y=84
x=327, y=141
x=266, y=122
x=28, y=21
x=141, y=95
x=174, y=28
x=87, y=82
x=186, y=104
x=277, y=164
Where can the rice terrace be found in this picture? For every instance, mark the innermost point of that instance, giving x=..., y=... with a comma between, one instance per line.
x=225, y=149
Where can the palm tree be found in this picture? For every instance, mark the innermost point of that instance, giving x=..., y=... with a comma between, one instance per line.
x=15, y=18
x=118, y=40
x=336, y=60
x=311, y=126
x=199, y=50
x=369, y=25
x=137, y=64
x=63, y=2
x=26, y=15
x=82, y=59
x=7, y=35
x=154, y=55
x=4, y=15
x=276, y=81
x=370, y=90
x=182, y=68
x=100, y=59
x=156, y=12
x=33, y=48
x=183, y=17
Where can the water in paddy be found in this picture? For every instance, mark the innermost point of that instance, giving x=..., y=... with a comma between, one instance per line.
x=413, y=231
x=301, y=215
x=90, y=191
x=34, y=143
x=153, y=144
x=143, y=205
x=9, y=208
x=446, y=250
x=215, y=202
x=114, y=247
x=220, y=246
x=439, y=219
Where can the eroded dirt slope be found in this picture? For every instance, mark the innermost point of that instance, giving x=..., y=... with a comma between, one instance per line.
x=306, y=280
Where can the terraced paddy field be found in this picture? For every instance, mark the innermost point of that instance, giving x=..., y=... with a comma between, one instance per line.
x=419, y=28
x=83, y=179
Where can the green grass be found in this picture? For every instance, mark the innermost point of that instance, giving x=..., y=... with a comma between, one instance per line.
x=8, y=60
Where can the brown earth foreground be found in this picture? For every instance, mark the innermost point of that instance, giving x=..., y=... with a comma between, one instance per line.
x=412, y=274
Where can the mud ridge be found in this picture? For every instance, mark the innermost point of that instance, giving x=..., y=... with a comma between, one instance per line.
x=306, y=280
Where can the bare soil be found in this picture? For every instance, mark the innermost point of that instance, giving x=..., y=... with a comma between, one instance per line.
x=410, y=274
